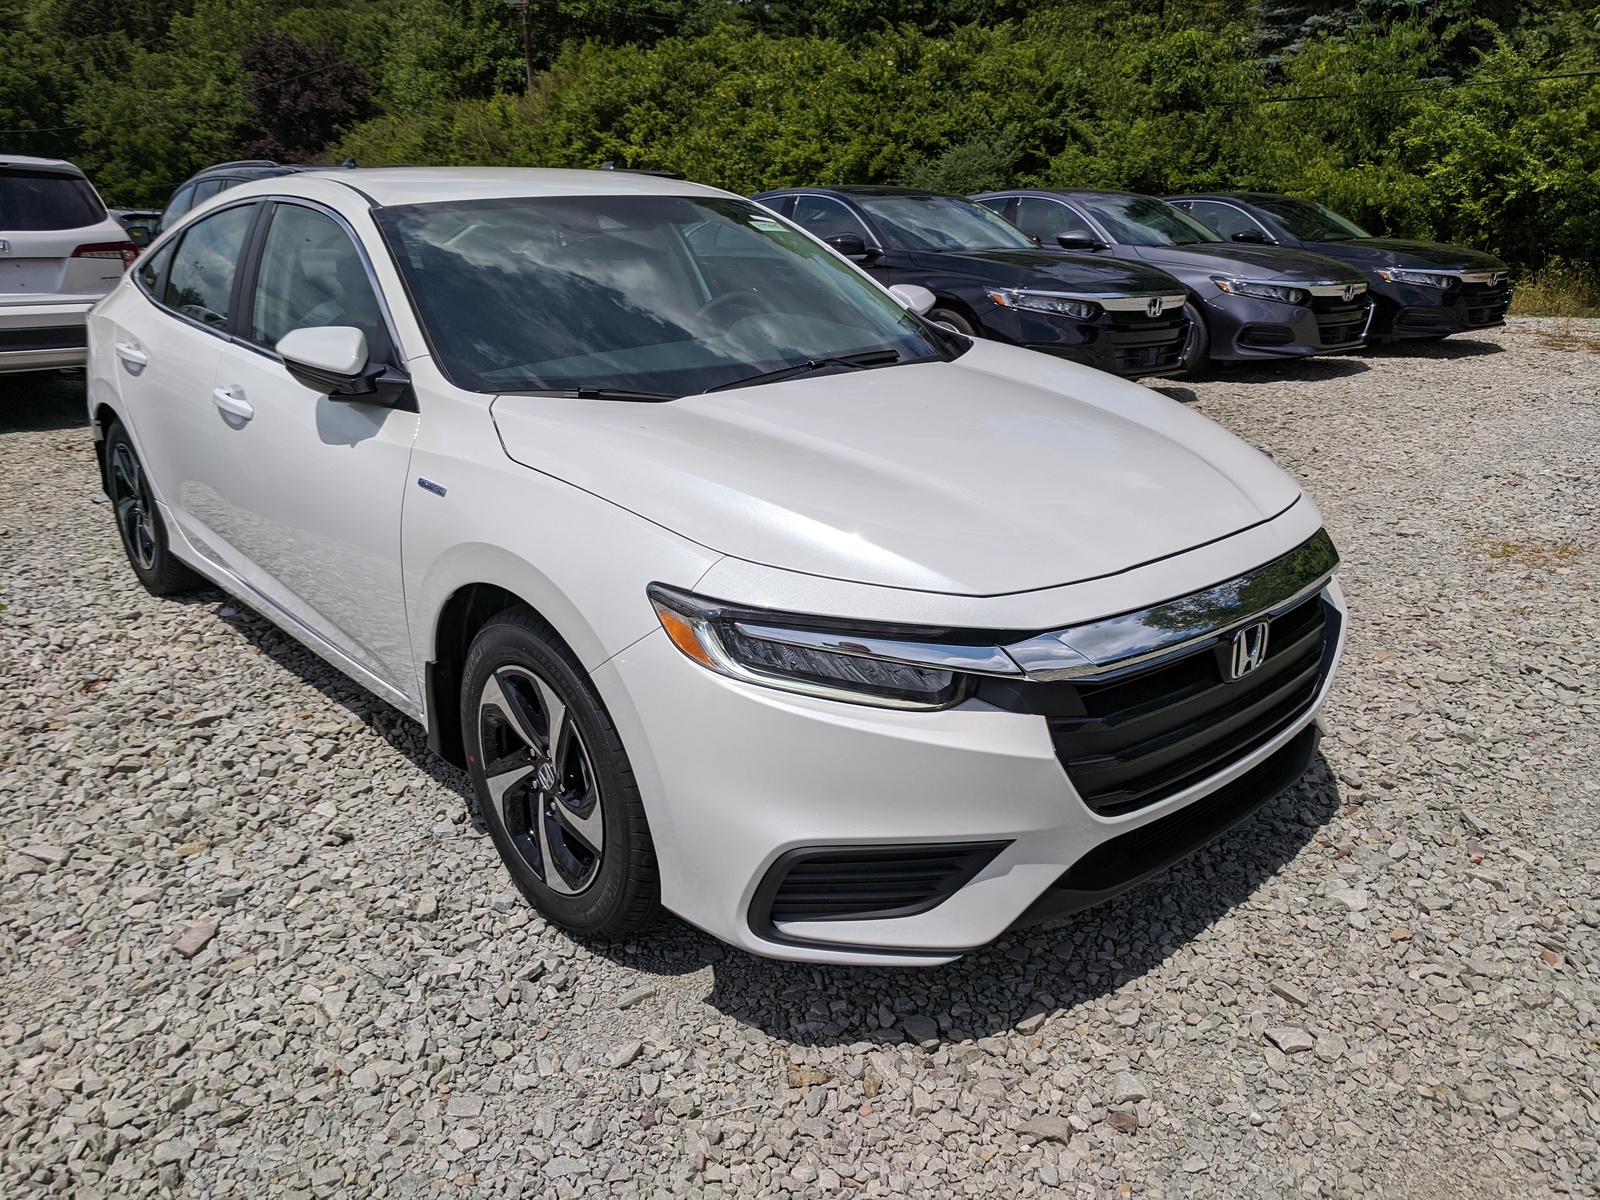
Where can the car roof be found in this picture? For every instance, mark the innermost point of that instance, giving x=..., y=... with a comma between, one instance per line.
x=1247, y=197
x=1068, y=193
x=863, y=189
x=386, y=186
x=60, y=165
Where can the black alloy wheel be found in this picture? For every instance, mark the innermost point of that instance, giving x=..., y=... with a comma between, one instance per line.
x=949, y=316
x=144, y=537
x=553, y=782
x=1196, y=355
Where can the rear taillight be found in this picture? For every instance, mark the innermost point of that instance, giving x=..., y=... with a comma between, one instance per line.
x=126, y=251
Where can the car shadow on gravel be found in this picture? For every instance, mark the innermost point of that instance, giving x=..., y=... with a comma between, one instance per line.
x=1447, y=349
x=1053, y=967
x=1293, y=370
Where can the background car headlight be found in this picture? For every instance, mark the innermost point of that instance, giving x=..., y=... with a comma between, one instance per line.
x=1424, y=278
x=1060, y=306
x=1263, y=291
x=857, y=665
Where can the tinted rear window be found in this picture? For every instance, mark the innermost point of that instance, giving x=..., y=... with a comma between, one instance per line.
x=45, y=200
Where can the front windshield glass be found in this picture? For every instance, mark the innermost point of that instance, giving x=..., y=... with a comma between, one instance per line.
x=1309, y=221
x=648, y=294
x=941, y=223
x=1146, y=221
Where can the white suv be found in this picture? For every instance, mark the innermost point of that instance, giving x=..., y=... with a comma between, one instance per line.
x=735, y=586
x=60, y=251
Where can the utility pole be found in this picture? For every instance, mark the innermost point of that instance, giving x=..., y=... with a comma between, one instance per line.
x=525, y=6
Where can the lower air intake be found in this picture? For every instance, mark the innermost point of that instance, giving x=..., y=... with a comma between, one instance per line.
x=860, y=883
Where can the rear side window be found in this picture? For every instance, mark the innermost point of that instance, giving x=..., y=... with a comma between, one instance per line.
x=312, y=275
x=47, y=200
x=200, y=284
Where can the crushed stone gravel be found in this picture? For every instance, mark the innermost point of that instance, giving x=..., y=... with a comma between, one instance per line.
x=251, y=943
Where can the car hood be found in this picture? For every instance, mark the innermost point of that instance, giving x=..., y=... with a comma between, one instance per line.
x=1371, y=253
x=1000, y=472
x=1255, y=262
x=1052, y=269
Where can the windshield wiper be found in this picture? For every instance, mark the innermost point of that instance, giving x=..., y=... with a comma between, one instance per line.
x=596, y=393
x=867, y=358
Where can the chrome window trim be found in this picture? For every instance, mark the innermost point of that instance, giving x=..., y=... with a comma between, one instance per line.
x=974, y=660
x=1110, y=647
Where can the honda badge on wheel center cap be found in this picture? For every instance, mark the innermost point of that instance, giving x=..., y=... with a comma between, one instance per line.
x=546, y=776
x=1249, y=650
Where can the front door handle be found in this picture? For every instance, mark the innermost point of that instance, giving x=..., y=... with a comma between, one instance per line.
x=228, y=402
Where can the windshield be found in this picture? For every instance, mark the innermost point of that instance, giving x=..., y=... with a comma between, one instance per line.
x=659, y=294
x=941, y=223
x=1145, y=221
x=41, y=200
x=1309, y=221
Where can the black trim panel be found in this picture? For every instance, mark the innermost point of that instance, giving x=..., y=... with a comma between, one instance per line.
x=44, y=337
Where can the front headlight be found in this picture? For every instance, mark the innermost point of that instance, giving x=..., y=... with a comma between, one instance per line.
x=1431, y=279
x=816, y=656
x=1260, y=290
x=1045, y=302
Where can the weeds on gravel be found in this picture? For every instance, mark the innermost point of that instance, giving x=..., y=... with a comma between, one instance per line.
x=1558, y=289
x=1536, y=556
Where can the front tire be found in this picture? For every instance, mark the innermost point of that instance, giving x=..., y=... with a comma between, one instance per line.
x=950, y=317
x=553, y=781
x=144, y=535
x=1196, y=356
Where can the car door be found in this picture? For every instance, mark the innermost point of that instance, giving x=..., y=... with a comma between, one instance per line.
x=315, y=485
x=167, y=350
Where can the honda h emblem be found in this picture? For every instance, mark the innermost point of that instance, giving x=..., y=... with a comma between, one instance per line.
x=1153, y=308
x=1349, y=292
x=1249, y=650
x=5, y=246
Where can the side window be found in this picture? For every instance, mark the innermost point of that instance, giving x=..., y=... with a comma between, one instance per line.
x=1223, y=219
x=825, y=217
x=1044, y=219
x=180, y=204
x=200, y=284
x=206, y=189
x=312, y=275
x=1000, y=205
x=782, y=205
x=151, y=267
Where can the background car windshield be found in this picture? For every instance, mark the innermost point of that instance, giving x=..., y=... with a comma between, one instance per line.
x=668, y=294
x=1146, y=221
x=941, y=223
x=1310, y=222
x=41, y=200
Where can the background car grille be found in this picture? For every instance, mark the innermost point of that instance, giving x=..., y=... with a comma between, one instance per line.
x=1339, y=322
x=1486, y=303
x=1137, y=739
x=1146, y=343
x=867, y=882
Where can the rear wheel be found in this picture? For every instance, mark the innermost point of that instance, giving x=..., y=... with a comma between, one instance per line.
x=1196, y=356
x=144, y=536
x=949, y=316
x=553, y=781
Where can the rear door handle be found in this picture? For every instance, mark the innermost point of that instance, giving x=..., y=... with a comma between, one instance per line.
x=238, y=406
x=129, y=353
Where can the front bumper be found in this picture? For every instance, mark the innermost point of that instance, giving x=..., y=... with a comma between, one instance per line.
x=737, y=777
x=1244, y=328
x=1129, y=344
x=40, y=333
x=1406, y=311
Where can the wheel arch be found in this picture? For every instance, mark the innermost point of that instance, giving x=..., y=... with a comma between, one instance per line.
x=101, y=417
x=465, y=611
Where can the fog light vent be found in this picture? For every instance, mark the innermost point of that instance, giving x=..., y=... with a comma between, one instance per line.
x=857, y=883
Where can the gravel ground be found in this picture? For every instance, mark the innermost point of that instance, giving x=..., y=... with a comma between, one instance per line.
x=252, y=944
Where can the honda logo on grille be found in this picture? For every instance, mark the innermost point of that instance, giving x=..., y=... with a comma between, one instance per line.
x=5, y=246
x=1249, y=650
x=1349, y=292
x=1153, y=307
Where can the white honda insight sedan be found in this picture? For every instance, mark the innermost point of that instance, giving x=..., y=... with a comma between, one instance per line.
x=736, y=586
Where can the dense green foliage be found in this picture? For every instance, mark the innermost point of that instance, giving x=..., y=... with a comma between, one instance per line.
x=1413, y=116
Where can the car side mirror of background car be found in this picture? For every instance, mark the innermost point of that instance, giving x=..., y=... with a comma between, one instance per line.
x=916, y=298
x=1254, y=236
x=849, y=245
x=1079, y=240
x=332, y=360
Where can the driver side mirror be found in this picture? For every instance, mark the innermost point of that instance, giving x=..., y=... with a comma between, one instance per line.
x=332, y=360
x=849, y=245
x=1253, y=236
x=1079, y=240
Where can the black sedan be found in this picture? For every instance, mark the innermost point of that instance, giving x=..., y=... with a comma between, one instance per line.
x=1246, y=302
x=1422, y=289
x=991, y=280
